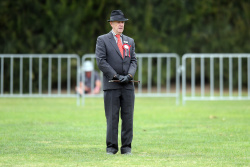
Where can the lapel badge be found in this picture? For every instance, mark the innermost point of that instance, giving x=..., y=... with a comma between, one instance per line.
x=125, y=41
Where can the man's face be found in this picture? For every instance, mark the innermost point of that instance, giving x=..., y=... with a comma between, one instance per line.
x=117, y=26
x=88, y=74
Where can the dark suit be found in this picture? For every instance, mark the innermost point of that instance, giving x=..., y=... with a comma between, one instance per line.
x=117, y=95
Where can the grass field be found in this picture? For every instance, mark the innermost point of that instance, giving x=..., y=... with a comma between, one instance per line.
x=56, y=132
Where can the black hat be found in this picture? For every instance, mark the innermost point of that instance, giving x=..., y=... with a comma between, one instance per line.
x=117, y=15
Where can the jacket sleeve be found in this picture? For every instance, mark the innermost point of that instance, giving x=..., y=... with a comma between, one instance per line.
x=101, y=59
x=133, y=62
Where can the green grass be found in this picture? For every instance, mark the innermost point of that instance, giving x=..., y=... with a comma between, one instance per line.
x=56, y=132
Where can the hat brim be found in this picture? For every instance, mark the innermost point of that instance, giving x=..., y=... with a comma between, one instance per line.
x=117, y=20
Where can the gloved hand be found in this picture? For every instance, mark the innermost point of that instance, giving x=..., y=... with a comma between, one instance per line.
x=125, y=79
x=116, y=77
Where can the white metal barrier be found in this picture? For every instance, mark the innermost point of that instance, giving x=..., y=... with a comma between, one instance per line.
x=38, y=63
x=164, y=87
x=208, y=61
x=150, y=65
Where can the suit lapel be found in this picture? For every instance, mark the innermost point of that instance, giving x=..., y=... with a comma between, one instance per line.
x=114, y=44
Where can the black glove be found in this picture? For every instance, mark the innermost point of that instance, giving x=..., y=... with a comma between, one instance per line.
x=130, y=77
x=116, y=77
x=126, y=79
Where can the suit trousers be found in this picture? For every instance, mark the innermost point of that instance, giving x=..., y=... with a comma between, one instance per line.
x=119, y=101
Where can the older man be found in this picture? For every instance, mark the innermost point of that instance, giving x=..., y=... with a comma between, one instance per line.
x=115, y=55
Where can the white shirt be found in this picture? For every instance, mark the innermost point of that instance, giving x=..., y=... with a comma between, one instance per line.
x=114, y=35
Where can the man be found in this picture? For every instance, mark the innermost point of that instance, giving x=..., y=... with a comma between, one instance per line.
x=87, y=70
x=115, y=55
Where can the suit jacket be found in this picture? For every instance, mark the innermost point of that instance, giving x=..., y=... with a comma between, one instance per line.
x=110, y=61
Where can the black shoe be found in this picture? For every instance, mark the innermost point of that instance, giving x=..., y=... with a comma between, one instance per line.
x=126, y=150
x=111, y=150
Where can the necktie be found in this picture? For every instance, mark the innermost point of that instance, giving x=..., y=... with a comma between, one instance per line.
x=119, y=43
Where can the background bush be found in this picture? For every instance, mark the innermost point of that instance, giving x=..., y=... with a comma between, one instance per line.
x=158, y=26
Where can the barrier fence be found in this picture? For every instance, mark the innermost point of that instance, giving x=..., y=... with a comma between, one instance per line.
x=167, y=84
x=208, y=63
x=31, y=75
x=41, y=75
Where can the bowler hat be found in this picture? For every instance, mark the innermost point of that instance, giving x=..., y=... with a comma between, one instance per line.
x=117, y=15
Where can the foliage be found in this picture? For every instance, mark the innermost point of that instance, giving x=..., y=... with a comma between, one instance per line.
x=158, y=26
